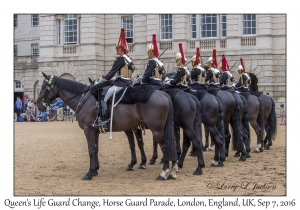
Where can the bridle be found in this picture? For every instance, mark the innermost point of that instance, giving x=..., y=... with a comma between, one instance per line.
x=49, y=87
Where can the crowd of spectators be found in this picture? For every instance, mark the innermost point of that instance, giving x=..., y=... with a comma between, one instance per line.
x=27, y=111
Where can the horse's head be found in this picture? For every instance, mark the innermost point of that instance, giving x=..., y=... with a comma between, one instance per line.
x=47, y=94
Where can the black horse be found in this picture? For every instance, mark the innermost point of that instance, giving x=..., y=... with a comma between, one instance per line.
x=270, y=120
x=156, y=113
x=188, y=117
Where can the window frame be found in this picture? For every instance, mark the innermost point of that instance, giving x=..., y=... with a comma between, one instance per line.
x=15, y=20
x=15, y=50
x=222, y=29
x=165, y=35
x=70, y=33
x=127, y=24
x=245, y=22
x=193, y=24
x=204, y=24
x=18, y=84
x=35, y=20
x=35, y=49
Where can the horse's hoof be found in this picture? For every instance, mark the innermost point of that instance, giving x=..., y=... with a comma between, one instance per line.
x=151, y=162
x=257, y=150
x=261, y=149
x=130, y=168
x=198, y=171
x=242, y=158
x=226, y=154
x=161, y=161
x=210, y=148
x=220, y=164
x=86, y=177
x=142, y=166
x=160, y=178
x=237, y=154
x=95, y=173
x=267, y=147
x=248, y=156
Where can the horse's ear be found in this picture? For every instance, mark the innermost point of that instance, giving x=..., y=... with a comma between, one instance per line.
x=45, y=75
x=91, y=81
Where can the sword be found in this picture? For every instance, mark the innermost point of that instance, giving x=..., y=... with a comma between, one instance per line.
x=162, y=53
x=112, y=114
x=232, y=66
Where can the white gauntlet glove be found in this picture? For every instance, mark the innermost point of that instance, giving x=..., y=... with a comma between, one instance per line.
x=100, y=80
x=139, y=80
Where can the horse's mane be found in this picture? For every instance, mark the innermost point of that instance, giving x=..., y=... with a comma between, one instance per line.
x=69, y=85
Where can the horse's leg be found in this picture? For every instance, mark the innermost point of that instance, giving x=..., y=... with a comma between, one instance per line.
x=154, y=155
x=206, y=138
x=130, y=138
x=190, y=135
x=140, y=141
x=227, y=138
x=92, y=140
x=185, y=146
x=217, y=138
x=258, y=131
x=177, y=138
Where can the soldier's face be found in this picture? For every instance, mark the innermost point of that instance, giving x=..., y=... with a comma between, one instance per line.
x=178, y=62
x=150, y=54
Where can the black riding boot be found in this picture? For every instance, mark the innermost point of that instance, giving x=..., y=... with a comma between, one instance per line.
x=103, y=115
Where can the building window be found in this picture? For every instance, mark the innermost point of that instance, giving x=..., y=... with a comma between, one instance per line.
x=223, y=25
x=34, y=49
x=35, y=20
x=70, y=29
x=193, y=27
x=59, y=32
x=249, y=24
x=208, y=26
x=127, y=24
x=15, y=21
x=15, y=50
x=18, y=84
x=166, y=26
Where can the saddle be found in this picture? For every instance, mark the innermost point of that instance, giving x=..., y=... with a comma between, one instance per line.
x=131, y=96
x=198, y=93
x=213, y=89
x=170, y=91
x=256, y=93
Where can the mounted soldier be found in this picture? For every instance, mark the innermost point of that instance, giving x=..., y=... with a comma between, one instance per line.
x=154, y=68
x=244, y=79
x=122, y=66
x=213, y=72
x=180, y=79
x=198, y=73
x=227, y=78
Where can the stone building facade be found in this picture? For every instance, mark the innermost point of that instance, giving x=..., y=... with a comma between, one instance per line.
x=93, y=52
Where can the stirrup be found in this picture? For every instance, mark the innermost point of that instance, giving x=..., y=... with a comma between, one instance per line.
x=101, y=124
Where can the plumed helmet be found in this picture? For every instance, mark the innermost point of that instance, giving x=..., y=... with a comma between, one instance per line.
x=209, y=60
x=122, y=41
x=240, y=67
x=197, y=61
x=225, y=66
x=242, y=64
x=178, y=56
x=193, y=58
x=153, y=47
x=214, y=59
x=182, y=54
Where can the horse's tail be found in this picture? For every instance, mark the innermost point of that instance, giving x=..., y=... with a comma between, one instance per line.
x=272, y=121
x=236, y=126
x=169, y=135
x=245, y=119
x=220, y=120
x=261, y=120
x=198, y=121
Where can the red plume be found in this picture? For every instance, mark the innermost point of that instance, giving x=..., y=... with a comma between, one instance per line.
x=182, y=54
x=214, y=57
x=225, y=66
x=122, y=41
x=197, y=60
x=242, y=63
x=155, y=50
